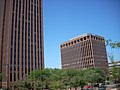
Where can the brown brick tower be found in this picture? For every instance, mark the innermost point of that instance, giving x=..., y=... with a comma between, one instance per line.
x=85, y=51
x=21, y=39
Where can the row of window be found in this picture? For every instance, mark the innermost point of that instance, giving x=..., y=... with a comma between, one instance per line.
x=83, y=66
x=81, y=40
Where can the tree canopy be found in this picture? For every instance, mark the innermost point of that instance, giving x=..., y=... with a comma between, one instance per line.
x=1, y=77
x=113, y=44
x=59, y=79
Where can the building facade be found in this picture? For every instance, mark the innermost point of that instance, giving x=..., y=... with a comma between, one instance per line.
x=21, y=39
x=115, y=63
x=85, y=51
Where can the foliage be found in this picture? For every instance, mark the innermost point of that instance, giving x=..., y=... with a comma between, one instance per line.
x=112, y=44
x=114, y=70
x=94, y=75
x=59, y=79
x=1, y=77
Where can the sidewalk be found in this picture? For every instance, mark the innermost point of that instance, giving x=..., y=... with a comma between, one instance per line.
x=112, y=88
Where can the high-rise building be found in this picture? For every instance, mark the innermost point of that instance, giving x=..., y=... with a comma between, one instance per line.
x=21, y=39
x=85, y=51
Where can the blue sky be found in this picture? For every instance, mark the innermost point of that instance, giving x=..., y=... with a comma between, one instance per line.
x=66, y=19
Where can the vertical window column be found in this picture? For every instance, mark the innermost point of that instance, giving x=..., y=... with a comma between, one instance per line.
x=35, y=31
x=12, y=42
x=26, y=69
x=18, y=60
x=15, y=37
x=29, y=36
x=23, y=60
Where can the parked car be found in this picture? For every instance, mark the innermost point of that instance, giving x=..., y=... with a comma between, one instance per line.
x=88, y=87
x=112, y=85
x=102, y=87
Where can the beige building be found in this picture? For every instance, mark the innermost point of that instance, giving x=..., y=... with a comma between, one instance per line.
x=85, y=51
x=21, y=39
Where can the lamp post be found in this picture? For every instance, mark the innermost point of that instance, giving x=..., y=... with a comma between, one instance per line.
x=42, y=78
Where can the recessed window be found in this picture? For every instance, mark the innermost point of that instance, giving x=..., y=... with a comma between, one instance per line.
x=10, y=76
x=81, y=39
x=14, y=76
x=84, y=38
x=75, y=41
x=88, y=37
x=91, y=36
x=71, y=42
x=96, y=38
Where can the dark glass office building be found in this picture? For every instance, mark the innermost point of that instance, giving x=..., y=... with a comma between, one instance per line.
x=21, y=39
x=85, y=51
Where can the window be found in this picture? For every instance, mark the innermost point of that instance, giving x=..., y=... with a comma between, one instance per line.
x=72, y=42
x=10, y=76
x=18, y=76
x=81, y=39
x=14, y=76
x=12, y=36
x=96, y=38
x=13, y=4
x=19, y=8
x=91, y=36
x=18, y=42
x=88, y=37
x=11, y=68
x=84, y=38
x=23, y=35
x=75, y=41
x=29, y=35
x=16, y=13
x=69, y=43
x=22, y=74
x=15, y=49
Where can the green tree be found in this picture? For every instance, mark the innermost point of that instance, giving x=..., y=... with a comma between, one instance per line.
x=20, y=85
x=57, y=79
x=114, y=70
x=112, y=44
x=94, y=75
x=78, y=79
x=70, y=73
x=1, y=77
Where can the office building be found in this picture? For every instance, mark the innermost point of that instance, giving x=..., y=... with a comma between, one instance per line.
x=114, y=64
x=21, y=39
x=85, y=51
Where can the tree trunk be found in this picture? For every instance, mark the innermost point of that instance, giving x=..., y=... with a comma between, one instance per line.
x=81, y=87
x=75, y=88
